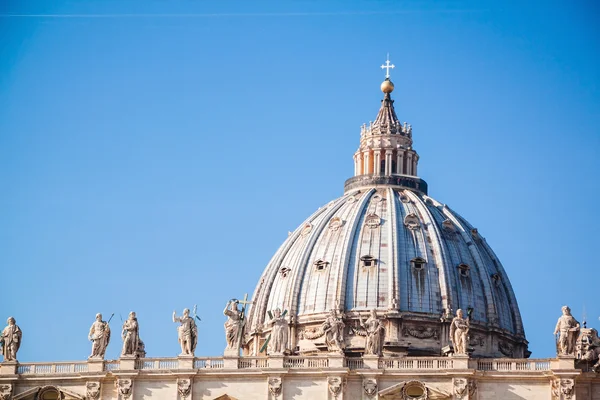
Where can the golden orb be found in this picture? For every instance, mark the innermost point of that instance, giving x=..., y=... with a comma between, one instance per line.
x=387, y=86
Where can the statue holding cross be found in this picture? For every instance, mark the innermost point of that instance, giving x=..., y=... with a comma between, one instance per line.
x=234, y=326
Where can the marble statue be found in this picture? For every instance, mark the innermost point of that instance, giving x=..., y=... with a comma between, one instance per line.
x=187, y=332
x=100, y=337
x=131, y=336
x=279, y=333
x=233, y=325
x=11, y=340
x=333, y=327
x=374, y=330
x=459, y=333
x=567, y=327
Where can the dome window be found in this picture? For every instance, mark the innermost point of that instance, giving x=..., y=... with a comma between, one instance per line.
x=372, y=221
x=448, y=226
x=463, y=270
x=306, y=229
x=412, y=221
x=418, y=264
x=496, y=278
x=377, y=198
x=475, y=234
x=320, y=265
x=336, y=223
x=284, y=271
x=368, y=261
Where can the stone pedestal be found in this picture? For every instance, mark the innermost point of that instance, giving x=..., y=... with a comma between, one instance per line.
x=230, y=362
x=336, y=360
x=276, y=361
x=371, y=361
x=186, y=361
x=95, y=364
x=460, y=361
x=8, y=367
x=127, y=363
x=564, y=362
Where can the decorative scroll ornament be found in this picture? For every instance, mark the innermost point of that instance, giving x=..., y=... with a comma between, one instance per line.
x=184, y=387
x=335, y=224
x=93, y=390
x=420, y=332
x=124, y=387
x=336, y=386
x=372, y=221
x=313, y=333
x=370, y=387
x=464, y=387
x=564, y=387
x=411, y=221
x=461, y=387
x=506, y=349
x=275, y=387
x=6, y=391
x=306, y=229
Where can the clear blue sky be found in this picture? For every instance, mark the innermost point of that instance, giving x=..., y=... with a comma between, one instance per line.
x=154, y=155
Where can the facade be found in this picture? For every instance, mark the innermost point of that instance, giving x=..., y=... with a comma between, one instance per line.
x=383, y=293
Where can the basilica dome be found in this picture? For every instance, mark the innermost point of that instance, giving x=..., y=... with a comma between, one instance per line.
x=386, y=245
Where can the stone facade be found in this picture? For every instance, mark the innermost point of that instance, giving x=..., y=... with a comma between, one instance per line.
x=296, y=377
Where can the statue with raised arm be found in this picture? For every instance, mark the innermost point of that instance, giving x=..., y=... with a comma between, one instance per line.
x=100, y=337
x=333, y=327
x=459, y=333
x=10, y=340
x=567, y=327
x=233, y=325
x=374, y=332
x=279, y=333
x=131, y=336
x=187, y=332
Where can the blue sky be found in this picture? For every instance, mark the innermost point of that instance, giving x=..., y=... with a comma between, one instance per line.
x=154, y=155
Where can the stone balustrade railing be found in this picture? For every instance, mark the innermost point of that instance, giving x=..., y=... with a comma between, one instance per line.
x=508, y=365
x=289, y=362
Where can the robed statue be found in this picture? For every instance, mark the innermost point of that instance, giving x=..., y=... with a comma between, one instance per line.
x=459, y=332
x=100, y=337
x=233, y=325
x=333, y=327
x=567, y=327
x=131, y=336
x=279, y=333
x=10, y=340
x=373, y=327
x=187, y=332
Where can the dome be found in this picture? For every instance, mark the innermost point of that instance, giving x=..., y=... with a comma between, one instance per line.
x=385, y=245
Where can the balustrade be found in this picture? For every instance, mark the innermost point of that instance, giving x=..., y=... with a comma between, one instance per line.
x=295, y=362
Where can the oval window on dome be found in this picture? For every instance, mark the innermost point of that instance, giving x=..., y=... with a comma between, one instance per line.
x=376, y=198
x=412, y=221
x=306, y=229
x=335, y=223
x=372, y=220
